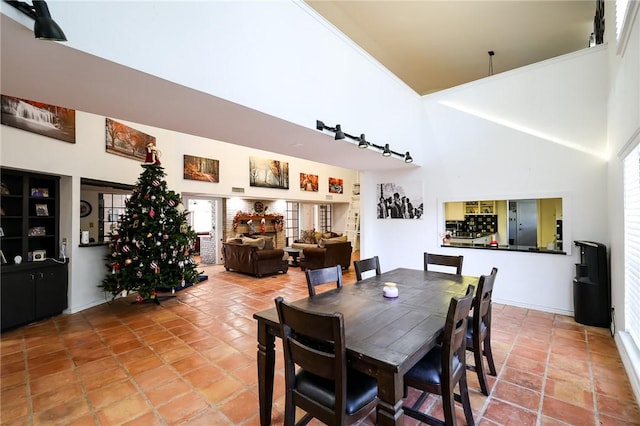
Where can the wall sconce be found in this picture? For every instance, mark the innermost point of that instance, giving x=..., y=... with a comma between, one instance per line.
x=362, y=142
x=45, y=28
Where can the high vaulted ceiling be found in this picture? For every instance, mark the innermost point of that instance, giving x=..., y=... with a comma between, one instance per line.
x=433, y=45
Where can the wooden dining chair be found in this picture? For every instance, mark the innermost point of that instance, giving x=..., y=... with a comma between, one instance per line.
x=316, y=277
x=363, y=265
x=323, y=386
x=443, y=260
x=479, y=330
x=443, y=368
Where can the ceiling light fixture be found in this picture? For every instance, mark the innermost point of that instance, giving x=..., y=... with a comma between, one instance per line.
x=362, y=141
x=45, y=28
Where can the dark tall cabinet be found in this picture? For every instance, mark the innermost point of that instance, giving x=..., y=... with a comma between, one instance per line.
x=36, y=287
x=591, y=285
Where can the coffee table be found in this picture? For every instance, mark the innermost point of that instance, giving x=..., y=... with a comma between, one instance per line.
x=294, y=253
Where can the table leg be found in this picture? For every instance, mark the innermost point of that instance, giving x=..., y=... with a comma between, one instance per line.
x=266, y=365
x=390, y=393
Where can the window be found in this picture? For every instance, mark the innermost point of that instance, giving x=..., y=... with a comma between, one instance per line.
x=111, y=207
x=292, y=222
x=632, y=243
x=324, y=219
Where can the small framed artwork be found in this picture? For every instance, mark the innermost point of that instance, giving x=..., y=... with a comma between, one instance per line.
x=37, y=231
x=42, y=210
x=308, y=182
x=336, y=186
x=40, y=192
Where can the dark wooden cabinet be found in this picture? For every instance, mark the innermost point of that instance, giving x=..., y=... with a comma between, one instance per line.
x=29, y=228
x=33, y=291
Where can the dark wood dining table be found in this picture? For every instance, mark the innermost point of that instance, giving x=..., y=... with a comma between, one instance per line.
x=384, y=337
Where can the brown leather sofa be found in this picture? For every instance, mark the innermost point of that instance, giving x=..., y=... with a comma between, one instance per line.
x=330, y=255
x=250, y=260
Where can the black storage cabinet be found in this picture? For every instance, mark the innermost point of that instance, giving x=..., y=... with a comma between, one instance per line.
x=591, y=285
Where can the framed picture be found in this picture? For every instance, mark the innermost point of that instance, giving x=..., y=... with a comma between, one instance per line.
x=400, y=200
x=268, y=173
x=199, y=168
x=308, y=182
x=2, y=258
x=37, y=231
x=37, y=117
x=127, y=142
x=40, y=192
x=336, y=186
x=42, y=210
x=85, y=208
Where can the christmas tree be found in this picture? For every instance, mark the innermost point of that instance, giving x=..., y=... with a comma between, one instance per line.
x=152, y=247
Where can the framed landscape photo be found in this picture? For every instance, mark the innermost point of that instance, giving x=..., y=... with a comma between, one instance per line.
x=37, y=117
x=126, y=141
x=267, y=173
x=199, y=168
x=42, y=210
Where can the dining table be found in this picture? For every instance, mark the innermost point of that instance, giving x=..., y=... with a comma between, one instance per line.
x=384, y=337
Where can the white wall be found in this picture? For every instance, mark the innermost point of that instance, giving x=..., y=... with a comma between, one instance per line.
x=490, y=140
x=87, y=158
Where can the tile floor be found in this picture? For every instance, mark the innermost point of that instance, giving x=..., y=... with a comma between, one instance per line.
x=191, y=361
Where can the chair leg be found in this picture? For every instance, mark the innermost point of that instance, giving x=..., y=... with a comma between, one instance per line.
x=464, y=399
x=487, y=352
x=289, y=412
x=479, y=367
x=448, y=407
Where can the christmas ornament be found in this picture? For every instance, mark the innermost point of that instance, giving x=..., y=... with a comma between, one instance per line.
x=152, y=213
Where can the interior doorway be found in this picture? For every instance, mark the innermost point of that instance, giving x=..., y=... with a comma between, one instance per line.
x=206, y=220
x=523, y=223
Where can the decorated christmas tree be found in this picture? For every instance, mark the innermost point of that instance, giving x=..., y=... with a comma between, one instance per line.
x=152, y=246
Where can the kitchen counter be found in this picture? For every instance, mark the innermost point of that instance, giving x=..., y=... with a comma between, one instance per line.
x=503, y=248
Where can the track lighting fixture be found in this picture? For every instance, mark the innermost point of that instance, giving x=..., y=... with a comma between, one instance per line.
x=362, y=141
x=45, y=28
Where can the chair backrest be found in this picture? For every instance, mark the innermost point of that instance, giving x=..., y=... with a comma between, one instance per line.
x=454, y=337
x=315, y=342
x=482, y=303
x=316, y=277
x=364, y=265
x=443, y=260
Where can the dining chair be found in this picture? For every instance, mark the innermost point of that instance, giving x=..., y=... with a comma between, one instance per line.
x=443, y=260
x=479, y=330
x=363, y=265
x=323, y=386
x=316, y=277
x=442, y=368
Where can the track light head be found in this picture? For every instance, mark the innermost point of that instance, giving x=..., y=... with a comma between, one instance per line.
x=45, y=28
x=408, y=158
x=362, y=142
x=320, y=125
x=339, y=133
x=386, y=152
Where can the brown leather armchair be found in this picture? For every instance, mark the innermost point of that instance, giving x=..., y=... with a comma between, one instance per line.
x=249, y=260
x=330, y=255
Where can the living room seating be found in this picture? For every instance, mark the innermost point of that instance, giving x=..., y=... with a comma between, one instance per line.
x=247, y=257
x=332, y=254
x=317, y=378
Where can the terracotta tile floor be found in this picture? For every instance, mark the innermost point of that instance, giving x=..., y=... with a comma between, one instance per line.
x=191, y=361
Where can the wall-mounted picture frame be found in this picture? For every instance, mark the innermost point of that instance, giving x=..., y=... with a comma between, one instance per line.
x=85, y=208
x=400, y=200
x=42, y=210
x=267, y=173
x=199, y=168
x=37, y=117
x=308, y=182
x=336, y=186
x=126, y=141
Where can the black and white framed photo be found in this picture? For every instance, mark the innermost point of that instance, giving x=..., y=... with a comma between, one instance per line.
x=400, y=200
